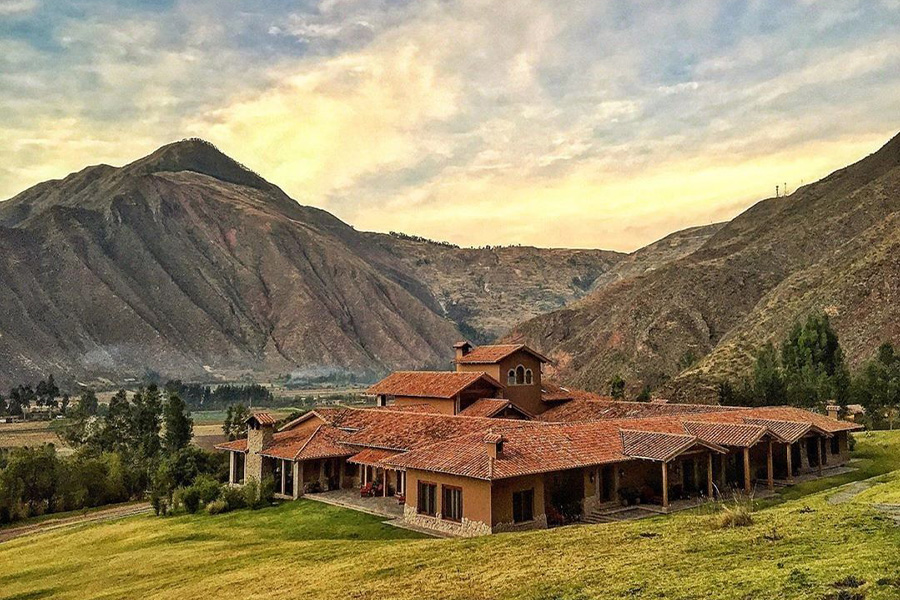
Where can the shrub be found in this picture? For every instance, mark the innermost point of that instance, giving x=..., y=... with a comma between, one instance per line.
x=251, y=492
x=207, y=488
x=216, y=507
x=738, y=515
x=259, y=494
x=189, y=498
x=233, y=497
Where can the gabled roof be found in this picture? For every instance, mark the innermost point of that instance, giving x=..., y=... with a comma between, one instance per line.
x=322, y=442
x=491, y=407
x=590, y=407
x=789, y=431
x=263, y=418
x=727, y=434
x=429, y=384
x=490, y=355
x=652, y=445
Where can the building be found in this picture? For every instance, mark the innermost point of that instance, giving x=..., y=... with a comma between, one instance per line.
x=491, y=447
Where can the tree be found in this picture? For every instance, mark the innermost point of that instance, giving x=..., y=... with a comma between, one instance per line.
x=116, y=432
x=47, y=392
x=877, y=387
x=146, y=422
x=617, y=387
x=813, y=364
x=767, y=383
x=234, y=426
x=178, y=424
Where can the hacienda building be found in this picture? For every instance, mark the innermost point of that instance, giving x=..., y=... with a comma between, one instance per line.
x=491, y=447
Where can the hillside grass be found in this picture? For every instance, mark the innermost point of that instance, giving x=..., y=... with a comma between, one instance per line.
x=803, y=548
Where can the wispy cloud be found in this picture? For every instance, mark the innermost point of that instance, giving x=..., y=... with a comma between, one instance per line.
x=580, y=124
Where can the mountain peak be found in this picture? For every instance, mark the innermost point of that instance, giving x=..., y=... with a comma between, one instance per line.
x=198, y=156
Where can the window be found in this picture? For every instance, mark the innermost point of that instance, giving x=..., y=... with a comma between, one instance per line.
x=523, y=506
x=511, y=377
x=452, y=507
x=427, y=496
x=528, y=377
x=835, y=445
x=238, y=475
x=520, y=375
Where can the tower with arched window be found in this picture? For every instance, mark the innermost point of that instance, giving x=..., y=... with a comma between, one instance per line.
x=516, y=366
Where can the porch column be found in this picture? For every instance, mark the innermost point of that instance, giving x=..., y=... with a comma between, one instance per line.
x=231, y=473
x=709, y=476
x=322, y=472
x=747, y=470
x=615, y=481
x=819, y=454
x=598, y=473
x=300, y=487
x=384, y=486
x=771, y=468
x=295, y=470
x=365, y=474
x=790, y=468
x=341, y=472
x=665, y=485
x=283, y=475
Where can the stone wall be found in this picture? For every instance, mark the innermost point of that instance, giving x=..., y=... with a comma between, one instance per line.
x=539, y=522
x=464, y=528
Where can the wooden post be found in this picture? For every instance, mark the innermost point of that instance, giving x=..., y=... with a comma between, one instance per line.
x=232, y=478
x=301, y=488
x=819, y=454
x=709, y=475
x=771, y=468
x=283, y=475
x=665, y=485
x=747, y=470
x=365, y=474
x=598, y=473
x=790, y=458
x=384, y=485
x=615, y=481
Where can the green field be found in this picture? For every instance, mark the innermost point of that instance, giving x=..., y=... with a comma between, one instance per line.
x=803, y=547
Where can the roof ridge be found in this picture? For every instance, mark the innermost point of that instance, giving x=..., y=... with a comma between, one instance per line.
x=308, y=440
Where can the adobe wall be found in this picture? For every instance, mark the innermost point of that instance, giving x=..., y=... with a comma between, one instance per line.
x=476, y=501
x=502, y=503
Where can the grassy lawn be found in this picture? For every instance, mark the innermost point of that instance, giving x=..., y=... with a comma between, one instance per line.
x=799, y=548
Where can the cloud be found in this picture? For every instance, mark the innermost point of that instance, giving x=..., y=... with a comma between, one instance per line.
x=13, y=7
x=484, y=122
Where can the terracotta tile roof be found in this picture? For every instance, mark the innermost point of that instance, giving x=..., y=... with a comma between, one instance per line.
x=653, y=445
x=490, y=355
x=491, y=407
x=405, y=431
x=263, y=418
x=371, y=457
x=726, y=434
x=414, y=408
x=235, y=445
x=588, y=408
x=429, y=384
x=790, y=431
x=323, y=442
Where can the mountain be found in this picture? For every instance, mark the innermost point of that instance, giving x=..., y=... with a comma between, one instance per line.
x=188, y=264
x=831, y=246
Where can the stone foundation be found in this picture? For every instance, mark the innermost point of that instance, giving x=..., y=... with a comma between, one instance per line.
x=539, y=522
x=464, y=528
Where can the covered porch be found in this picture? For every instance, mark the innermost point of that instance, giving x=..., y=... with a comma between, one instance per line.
x=375, y=478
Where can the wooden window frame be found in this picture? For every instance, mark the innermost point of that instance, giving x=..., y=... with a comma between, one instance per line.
x=419, y=509
x=444, y=490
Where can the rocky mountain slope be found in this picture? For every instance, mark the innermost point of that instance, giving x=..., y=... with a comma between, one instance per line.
x=830, y=246
x=188, y=264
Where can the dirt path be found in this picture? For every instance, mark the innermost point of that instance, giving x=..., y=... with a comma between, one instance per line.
x=107, y=514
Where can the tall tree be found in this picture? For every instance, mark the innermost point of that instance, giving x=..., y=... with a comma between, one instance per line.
x=178, y=424
x=146, y=421
x=767, y=384
x=877, y=387
x=617, y=387
x=813, y=363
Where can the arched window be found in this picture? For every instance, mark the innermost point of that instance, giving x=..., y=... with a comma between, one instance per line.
x=511, y=377
x=528, y=377
x=520, y=375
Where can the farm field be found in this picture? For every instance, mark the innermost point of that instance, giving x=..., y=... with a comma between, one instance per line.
x=827, y=544
x=29, y=433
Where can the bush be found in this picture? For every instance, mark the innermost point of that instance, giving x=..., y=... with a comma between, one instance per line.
x=233, y=497
x=207, y=488
x=216, y=507
x=258, y=495
x=189, y=498
x=737, y=515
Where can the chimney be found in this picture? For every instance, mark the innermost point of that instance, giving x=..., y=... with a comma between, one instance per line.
x=260, y=429
x=833, y=411
x=462, y=348
x=493, y=443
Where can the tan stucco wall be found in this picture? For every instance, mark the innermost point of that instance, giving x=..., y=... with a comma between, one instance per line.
x=502, y=503
x=525, y=396
x=476, y=500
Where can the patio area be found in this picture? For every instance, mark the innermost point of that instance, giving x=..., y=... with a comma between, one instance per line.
x=349, y=498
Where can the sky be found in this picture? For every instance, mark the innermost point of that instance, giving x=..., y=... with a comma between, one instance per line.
x=596, y=124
